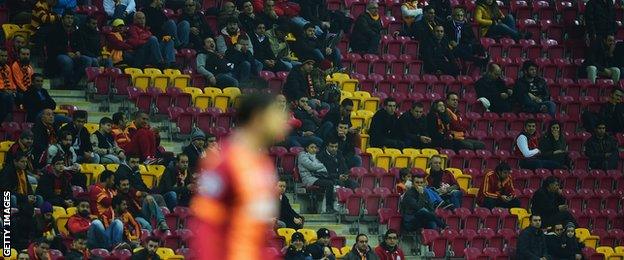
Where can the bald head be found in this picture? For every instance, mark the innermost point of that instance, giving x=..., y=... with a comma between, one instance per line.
x=139, y=18
x=494, y=70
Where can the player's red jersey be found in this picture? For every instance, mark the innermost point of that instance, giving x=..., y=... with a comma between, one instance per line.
x=235, y=204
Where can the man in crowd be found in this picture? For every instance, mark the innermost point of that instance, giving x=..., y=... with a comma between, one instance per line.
x=55, y=184
x=146, y=45
x=82, y=139
x=176, y=183
x=97, y=235
x=384, y=128
x=527, y=148
x=142, y=205
x=414, y=127
x=492, y=91
x=101, y=196
x=78, y=250
x=457, y=125
x=347, y=140
x=299, y=82
x=196, y=148
x=443, y=182
x=532, y=91
x=44, y=135
x=416, y=207
x=336, y=115
x=287, y=215
x=149, y=250
x=161, y=26
x=366, y=33
x=235, y=45
x=119, y=130
x=532, y=242
x=601, y=148
x=335, y=164
x=612, y=112
x=318, y=248
x=7, y=86
x=24, y=145
x=361, y=249
x=130, y=170
x=497, y=189
x=462, y=39
x=548, y=203
x=437, y=56
x=143, y=140
x=63, y=50
x=213, y=66
x=36, y=98
x=40, y=249
x=263, y=51
x=309, y=44
x=92, y=44
x=22, y=72
x=389, y=249
x=563, y=244
x=192, y=28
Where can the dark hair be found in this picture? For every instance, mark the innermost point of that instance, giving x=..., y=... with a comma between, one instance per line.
x=332, y=140
x=549, y=180
x=57, y=157
x=258, y=22
x=534, y=215
x=64, y=135
x=121, y=177
x=417, y=104
x=360, y=235
x=153, y=239
x=389, y=232
x=346, y=102
x=427, y=8
x=34, y=75
x=105, y=175
x=343, y=122
x=117, y=117
x=82, y=114
x=117, y=200
x=529, y=121
x=138, y=114
x=448, y=95
x=527, y=64
x=177, y=158
x=251, y=105
x=308, y=26
x=551, y=124
x=403, y=172
x=23, y=48
x=106, y=120
x=503, y=166
x=388, y=100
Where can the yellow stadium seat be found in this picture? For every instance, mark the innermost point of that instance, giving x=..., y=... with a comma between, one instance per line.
x=309, y=235
x=455, y=171
x=383, y=160
x=616, y=256
x=429, y=152
x=133, y=71
x=203, y=101
x=344, y=95
x=524, y=222
x=358, y=99
x=582, y=233
x=345, y=250
x=193, y=91
x=9, y=29
x=171, y=72
x=368, y=115
x=374, y=151
x=619, y=249
x=358, y=121
x=337, y=253
x=152, y=71
x=164, y=252
x=605, y=250
x=161, y=82
x=180, y=81
x=212, y=91
x=139, y=79
x=14, y=254
x=156, y=169
x=411, y=151
x=473, y=191
x=286, y=233
x=371, y=104
x=92, y=127
x=403, y=161
x=61, y=224
x=234, y=93
x=222, y=101
x=590, y=241
x=340, y=76
x=56, y=210
x=175, y=257
x=364, y=141
x=421, y=161
x=71, y=211
x=112, y=167
x=4, y=148
x=150, y=179
x=349, y=85
x=92, y=171
x=463, y=181
x=142, y=169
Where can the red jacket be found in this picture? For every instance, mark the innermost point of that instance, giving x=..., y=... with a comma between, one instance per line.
x=114, y=43
x=493, y=187
x=447, y=177
x=456, y=124
x=138, y=35
x=77, y=224
x=33, y=255
x=101, y=199
x=385, y=254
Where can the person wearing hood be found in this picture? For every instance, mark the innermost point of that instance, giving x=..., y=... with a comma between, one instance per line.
x=550, y=204
x=297, y=249
x=389, y=249
x=196, y=148
x=366, y=34
x=320, y=248
x=55, y=184
x=562, y=243
x=361, y=249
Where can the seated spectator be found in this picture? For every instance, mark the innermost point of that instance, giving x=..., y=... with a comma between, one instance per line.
x=213, y=66
x=24, y=145
x=410, y=12
x=457, y=125
x=361, y=249
x=132, y=229
x=160, y=25
x=423, y=30
x=548, y=202
x=23, y=255
x=600, y=60
x=414, y=127
x=417, y=208
x=98, y=236
x=176, y=182
x=309, y=45
x=120, y=49
x=308, y=119
x=492, y=91
x=532, y=91
x=288, y=217
x=384, y=127
x=366, y=33
x=55, y=184
x=100, y=198
x=438, y=125
x=78, y=249
x=148, y=49
x=462, y=39
x=119, y=129
x=228, y=12
x=601, y=148
x=612, y=112
x=527, y=148
x=314, y=173
x=36, y=99
x=532, y=242
x=572, y=244
x=437, y=56
x=493, y=23
x=299, y=84
x=321, y=249
x=235, y=46
x=143, y=140
x=149, y=249
x=64, y=149
x=281, y=50
x=22, y=72
x=196, y=148
x=39, y=249
x=335, y=164
x=15, y=180
x=82, y=139
x=497, y=189
x=263, y=51
x=7, y=86
x=337, y=114
x=45, y=226
x=443, y=182
x=553, y=145
x=143, y=206
x=104, y=145
x=120, y=9
x=92, y=44
x=389, y=249
x=13, y=46
x=192, y=28
x=346, y=144
x=269, y=15
x=600, y=19
x=405, y=181
x=44, y=135
x=248, y=18
x=297, y=248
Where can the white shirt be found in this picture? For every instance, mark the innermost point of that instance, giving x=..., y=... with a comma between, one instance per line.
x=523, y=144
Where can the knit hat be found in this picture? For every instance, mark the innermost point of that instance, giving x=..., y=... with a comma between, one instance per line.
x=570, y=225
x=197, y=134
x=322, y=232
x=118, y=22
x=45, y=207
x=297, y=237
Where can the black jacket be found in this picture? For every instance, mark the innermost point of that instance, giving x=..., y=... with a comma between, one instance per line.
x=442, y=9
x=287, y=213
x=62, y=42
x=247, y=23
x=168, y=182
x=436, y=55
x=335, y=164
x=10, y=182
x=383, y=126
x=531, y=244
x=546, y=204
x=600, y=17
x=314, y=11
x=296, y=85
x=82, y=138
x=193, y=156
x=596, y=149
x=154, y=20
x=262, y=50
x=136, y=182
x=41, y=136
x=562, y=247
x=548, y=144
x=598, y=56
x=613, y=116
x=196, y=20
x=334, y=117
x=413, y=201
x=467, y=34
x=365, y=30
x=90, y=42
x=35, y=101
x=537, y=88
x=491, y=89
x=318, y=251
x=439, y=133
x=143, y=255
x=293, y=254
x=46, y=188
x=411, y=128
x=216, y=64
x=304, y=46
x=423, y=30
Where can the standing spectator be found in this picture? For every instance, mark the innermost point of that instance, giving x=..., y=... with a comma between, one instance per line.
x=44, y=135
x=55, y=184
x=321, y=249
x=361, y=249
x=601, y=60
x=548, y=203
x=91, y=43
x=82, y=139
x=176, y=183
x=192, y=28
x=299, y=82
x=600, y=19
x=462, y=39
x=142, y=139
x=78, y=250
x=314, y=173
x=553, y=145
x=497, y=189
x=149, y=250
x=493, y=23
x=287, y=215
x=389, y=249
x=119, y=9
x=438, y=125
x=612, y=112
x=148, y=49
x=7, y=86
x=443, y=182
x=532, y=91
x=527, y=148
x=366, y=33
x=437, y=56
x=263, y=51
x=532, y=242
x=159, y=24
x=22, y=72
x=457, y=125
x=104, y=145
x=414, y=127
x=492, y=91
x=384, y=127
x=335, y=164
x=196, y=148
x=64, y=48
x=214, y=66
x=101, y=196
x=36, y=99
x=601, y=148
x=416, y=207
x=297, y=249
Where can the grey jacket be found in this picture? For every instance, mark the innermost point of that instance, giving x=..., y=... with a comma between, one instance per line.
x=309, y=168
x=353, y=255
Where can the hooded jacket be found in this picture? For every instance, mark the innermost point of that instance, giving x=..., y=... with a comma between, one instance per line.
x=310, y=168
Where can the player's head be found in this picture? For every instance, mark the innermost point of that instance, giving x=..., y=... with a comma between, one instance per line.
x=261, y=114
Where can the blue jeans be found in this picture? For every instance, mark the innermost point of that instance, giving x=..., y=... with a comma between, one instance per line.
x=507, y=27
x=100, y=237
x=335, y=56
x=97, y=62
x=536, y=107
x=148, y=53
x=170, y=28
x=300, y=141
x=184, y=32
x=454, y=197
x=153, y=211
x=171, y=199
x=144, y=224
x=72, y=69
x=8, y=100
x=226, y=80
x=244, y=69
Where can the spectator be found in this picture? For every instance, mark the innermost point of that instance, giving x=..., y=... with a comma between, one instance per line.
x=443, y=182
x=24, y=145
x=437, y=56
x=39, y=249
x=389, y=249
x=438, y=125
x=214, y=66
x=44, y=135
x=36, y=99
x=45, y=226
x=130, y=170
x=497, y=189
x=310, y=119
x=82, y=139
x=361, y=250
x=414, y=127
x=13, y=46
x=15, y=180
x=325, y=20
x=132, y=229
x=142, y=139
x=176, y=183
x=247, y=17
x=462, y=39
x=160, y=25
x=492, y=91
x=263, y=51
x=384, y=127
x=101, y=195
x=269, y=16
x=366, y=33
x=410, y=12
x=457, y=125
x=55, y=184
x=236, y=47
x=98, y=236
x=120, y=49
x=91, y=43
x=600, y=19
x=22, y=72
x=532, y=242
x=297, y=249
x=532, y=91
x=308, y=44
x=23, y=255
x=493, y=23
x=277, y=40
x=63, y=51
x=64, y=149
x=417, y=208
x=423, y=30
x=192, y=28
x=7, y=86
x=337, y=114
x=141, y=205
x=601, y=148
x=321, y=249
x=228, y=12
x=405, y=181
x=119, y=9
x=314, y=173
x=553, y=145
x=196, y=148
x=119, y=129
x=573, y=246
x=346, y=144
x=287, y=216
x=601, y=60
x=104, y=145
x=42, y=15
x=299, y=83
x=527, y=148
x=335, y=164
x=147, y=48
x=560, y=245
x=149, y=250
x=550, y=204
x=612, y=112
x=78, y=250
x=21, y=10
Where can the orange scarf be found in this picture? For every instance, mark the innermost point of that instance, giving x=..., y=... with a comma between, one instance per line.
x=457, y=135
x=22, y=181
